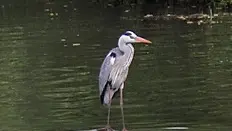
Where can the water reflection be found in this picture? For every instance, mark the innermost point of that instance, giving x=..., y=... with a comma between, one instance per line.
x=181, y=81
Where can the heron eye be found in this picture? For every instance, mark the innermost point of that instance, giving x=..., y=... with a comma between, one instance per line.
x=132, y=37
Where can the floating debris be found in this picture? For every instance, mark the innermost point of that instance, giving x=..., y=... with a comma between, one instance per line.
x=215, y=15
x=51, y=14
x=181, y=17
x=200, y=22
x=198, y=16
x=189, y=22
x=148, y=16
x=199, y=19
x=127, y=11
x=65, y=6
x=63, y=40
x=46, y=10
x=110, y=5
x=76, y=44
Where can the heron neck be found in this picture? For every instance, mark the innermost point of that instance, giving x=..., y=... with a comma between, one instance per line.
x=128, y=51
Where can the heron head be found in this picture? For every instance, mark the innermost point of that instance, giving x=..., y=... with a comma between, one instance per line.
x=131, y=37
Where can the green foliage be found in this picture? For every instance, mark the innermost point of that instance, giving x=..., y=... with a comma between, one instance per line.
x=126, y=2
x=226, y=1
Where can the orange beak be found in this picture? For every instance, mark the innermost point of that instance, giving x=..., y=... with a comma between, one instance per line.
x=142, y=40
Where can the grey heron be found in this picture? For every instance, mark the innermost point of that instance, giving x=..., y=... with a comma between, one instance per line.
x=114, y=70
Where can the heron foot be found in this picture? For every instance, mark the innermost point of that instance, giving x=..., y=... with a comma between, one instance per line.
x=106, y=128
x=124, y=129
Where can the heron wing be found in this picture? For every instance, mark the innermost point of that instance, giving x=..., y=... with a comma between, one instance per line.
x=107, y=67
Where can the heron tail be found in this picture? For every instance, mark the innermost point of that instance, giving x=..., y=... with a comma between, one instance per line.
x=107, y=94
x=108, y=97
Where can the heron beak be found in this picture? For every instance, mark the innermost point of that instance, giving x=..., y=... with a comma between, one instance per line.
x=142, y=40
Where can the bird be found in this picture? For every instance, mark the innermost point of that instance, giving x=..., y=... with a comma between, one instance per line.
x=114, y=71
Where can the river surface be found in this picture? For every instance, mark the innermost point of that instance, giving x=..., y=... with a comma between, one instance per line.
x=50, y=55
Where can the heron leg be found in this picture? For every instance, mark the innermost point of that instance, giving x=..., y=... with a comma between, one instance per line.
x=121, y=105
x=108, y=117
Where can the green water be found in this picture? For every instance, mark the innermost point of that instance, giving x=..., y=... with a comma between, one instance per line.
x=50, y=55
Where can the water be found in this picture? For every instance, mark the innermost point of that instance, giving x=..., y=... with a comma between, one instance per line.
x=50, y=59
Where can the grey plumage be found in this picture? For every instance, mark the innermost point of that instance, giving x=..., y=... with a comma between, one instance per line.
x=114, y=70
x=115, y=67
x=109, y=70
